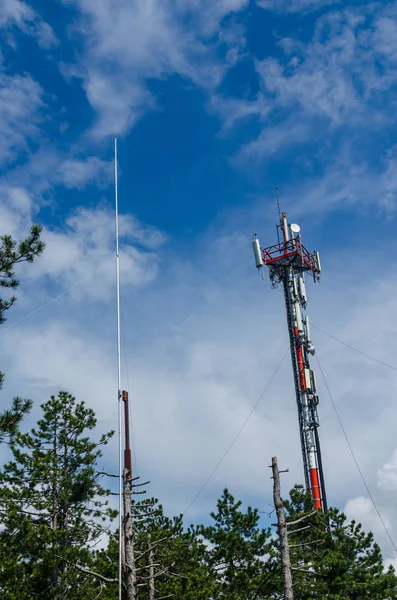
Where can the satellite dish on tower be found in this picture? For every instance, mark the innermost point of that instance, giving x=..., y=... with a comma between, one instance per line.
x=295, y=228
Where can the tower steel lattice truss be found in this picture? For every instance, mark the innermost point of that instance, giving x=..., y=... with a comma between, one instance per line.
x=288, y=262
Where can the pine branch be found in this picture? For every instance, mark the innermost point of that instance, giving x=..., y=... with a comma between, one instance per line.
x=11, y=418
x=11, y=255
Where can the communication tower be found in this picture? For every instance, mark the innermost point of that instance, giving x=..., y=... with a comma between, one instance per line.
x=288, y=261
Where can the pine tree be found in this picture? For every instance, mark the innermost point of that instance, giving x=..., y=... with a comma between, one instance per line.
x=238, y=550
x=11, y=254
x=177, y=557
x=180, y=570
x=53, y=508
x=334, y=558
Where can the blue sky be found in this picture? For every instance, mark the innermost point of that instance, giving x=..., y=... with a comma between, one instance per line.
x=214, y=103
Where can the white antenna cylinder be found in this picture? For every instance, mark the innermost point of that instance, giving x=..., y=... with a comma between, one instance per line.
x=302, y=289
x=308, y=379
x=298, y=316
x=317, y=262
x=116, y=193
x=285, y=227
x=257, y=252
x=314, y=382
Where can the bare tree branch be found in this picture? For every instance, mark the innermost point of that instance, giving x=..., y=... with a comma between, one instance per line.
x=290, y=523
x=92, y=573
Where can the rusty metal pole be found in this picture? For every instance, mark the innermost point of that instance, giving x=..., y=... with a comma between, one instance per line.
x=129, y=556
x=127, y=449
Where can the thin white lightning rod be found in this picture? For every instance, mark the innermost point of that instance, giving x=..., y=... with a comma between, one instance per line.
x=116, y=191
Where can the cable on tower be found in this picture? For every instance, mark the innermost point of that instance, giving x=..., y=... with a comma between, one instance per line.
x=377, y=360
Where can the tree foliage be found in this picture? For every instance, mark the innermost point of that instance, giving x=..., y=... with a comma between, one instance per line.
x=334, y=558
x=237, y=547
x=13, y=253
x=11, y=418
x=177, y=556
x=53, y=505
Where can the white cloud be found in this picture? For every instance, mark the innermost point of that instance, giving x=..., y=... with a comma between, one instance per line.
x=208, y=14
x=317, y=85
x=85, y=246
x=363, y=511
x=118, y=102
x=391, y=562
x=348, y=181
x=387, y=474
x=320, y=77
x=15, y=13
x=385, y=37
x=21, y=107
x=330, y=88
x=16, y=210
x=295, y=5
x=234, y=110
x=82, y=249
x=77, y=173
x=49, y=167
x=273, y=140
x=127, y=44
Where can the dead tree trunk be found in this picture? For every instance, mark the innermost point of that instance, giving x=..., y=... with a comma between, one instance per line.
x=282, y=532
x=151, y=571
x=129, y=557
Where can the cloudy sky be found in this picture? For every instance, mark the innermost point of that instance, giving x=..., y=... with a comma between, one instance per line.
x=214, y=103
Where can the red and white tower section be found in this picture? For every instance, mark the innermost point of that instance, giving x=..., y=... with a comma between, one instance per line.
x=289, y=262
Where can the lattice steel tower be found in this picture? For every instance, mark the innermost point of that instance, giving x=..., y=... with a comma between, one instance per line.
x=288, y=261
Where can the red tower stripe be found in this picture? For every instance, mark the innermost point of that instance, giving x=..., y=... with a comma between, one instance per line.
x=315, y=489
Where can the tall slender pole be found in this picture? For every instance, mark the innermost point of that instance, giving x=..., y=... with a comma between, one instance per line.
x=119, y=371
